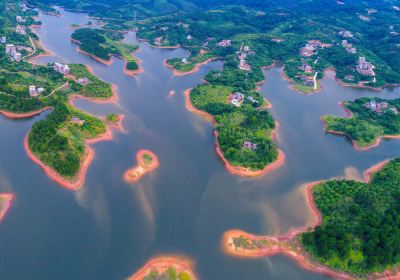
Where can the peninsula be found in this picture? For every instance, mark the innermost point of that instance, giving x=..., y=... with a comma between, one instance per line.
x=355, y=233
x=368, y=121
x=101, y=44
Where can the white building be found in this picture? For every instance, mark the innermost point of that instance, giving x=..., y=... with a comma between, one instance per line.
x=3, y=39
x=62, y=68
x=10, y=48
x=20, y=30
x=32, y=91
x=19, y=19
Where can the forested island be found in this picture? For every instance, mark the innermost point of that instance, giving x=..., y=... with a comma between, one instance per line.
x=102, y=44
x=243, y=131
x=171, y=268
x=369, y=120
x=356, y=233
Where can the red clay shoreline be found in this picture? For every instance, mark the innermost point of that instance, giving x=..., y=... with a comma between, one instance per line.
x=12, y=115
x=236, y=170
x=77, y=181
x=162, y=263
x=349, y=114
x=141, y=169
x=289, y=246
x=110, y=60
x=7, y=199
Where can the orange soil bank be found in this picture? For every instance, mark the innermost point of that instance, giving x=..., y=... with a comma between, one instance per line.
x=194, y=70
x=12, y=115
x=349, y=114
x=289, y=245
x=5, y=204
x=162, y=263
x=236, y=170
x=106, y=62
x=112, y=99
x=77, y=181
x=134, y=174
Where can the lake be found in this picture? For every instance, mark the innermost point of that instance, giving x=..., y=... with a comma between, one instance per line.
x=109, y=229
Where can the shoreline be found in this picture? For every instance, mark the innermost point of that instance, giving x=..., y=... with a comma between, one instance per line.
x=196, y=68
x=12, y=115
x=112, y=99
x=236, y=170
x=78, y=180
x=141, y=168
x=6, y=199
x=132, y=73
x=162, y=263
x=289, y=246
x=356, y=146
x=78, y=49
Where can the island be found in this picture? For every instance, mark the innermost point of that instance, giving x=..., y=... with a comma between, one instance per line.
x=5, y=204
x=356, y=233
x=101, y=44
x=243, y=133
x=147, y=161
x=166, y=267
x=368, y=121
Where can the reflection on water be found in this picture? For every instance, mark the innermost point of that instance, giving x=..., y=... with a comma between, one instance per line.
x=109, y=229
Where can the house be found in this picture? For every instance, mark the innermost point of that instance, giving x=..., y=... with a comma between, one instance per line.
x=19, y=19
x=250, y=145
x=189, y=37
x=243, y=65
x=164, y=28
x=158, y=40
x=348, y=46
x=379, y=107
x=23, y=48
x=20, y=30
x=40, y=90
x=246, y=48
x=77, y=121
x=252, y=99
x=236, y=99
x=62, y=68
x=23, y=6
x=306, y=68
x=184, y=60
x=225, y=43
x=16, y=56
x=83, y=81
x=365, y=67
x=10, y=48
x=308, y=80
x=346, y=34
x=32, y=91
x=3, y=40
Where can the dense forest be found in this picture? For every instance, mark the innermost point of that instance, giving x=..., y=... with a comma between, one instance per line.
x=372, y=118
x=360, y=231
x=103, y=44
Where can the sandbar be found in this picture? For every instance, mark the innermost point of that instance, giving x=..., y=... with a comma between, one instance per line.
x=289, y=245
x=162, y=263
x=133, y=175
x=236, y=170
x=5, y=204
x=13, y=115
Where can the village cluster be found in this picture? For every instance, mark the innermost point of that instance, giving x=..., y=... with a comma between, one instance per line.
x=381, y=107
